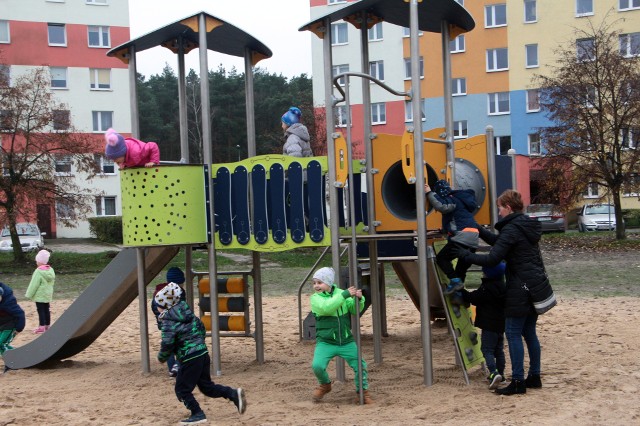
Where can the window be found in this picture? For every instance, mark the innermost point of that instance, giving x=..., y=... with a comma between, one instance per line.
x=495, y=15
x=339, y=33
x=58, y=77
x=458, y=86
x=378, y=113
x=629, y=4
x=5, y=34
x=6, y=120
x=408, y=110
x=498, y=103
x=503, y=144
x=102, y=120
x=61, y=119
x=406, y=32
x=98, y=36
x=407, y=68
x=630, y=137
x=339, y=69
x=64, y=210
x=375, y=32
x=336, y=1
x=100, y=78
x=531, y=52
x=460, y=129
x=57, y=35
x=100, y=2
x=585, y=49
x=591, y=191
x=497, y=59
x=584, y=7
x=591, y=97
x=376, y=70
x=106, y=165
x=5, y=75
x=341, y=116
x=105, y=206
x=63, y=164
x=630, y=44
x=631, y=187
x=534, y=144
x=533, y=100
x=457, y=44
x=530, y=11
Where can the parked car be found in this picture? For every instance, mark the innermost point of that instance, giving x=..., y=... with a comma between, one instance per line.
x=550, y=216
x=597, y=217
x=30, y=238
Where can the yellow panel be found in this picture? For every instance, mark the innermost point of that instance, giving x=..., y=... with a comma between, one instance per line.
x=342, y=165
x=474, y=150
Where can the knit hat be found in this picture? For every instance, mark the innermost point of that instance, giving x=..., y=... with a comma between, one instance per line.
x=494, y=272
x=116, y=147
x=326, y=275
x=292, y=116
x=442, y=188
x=175, y=275
x=168, y=296
x=43, y=257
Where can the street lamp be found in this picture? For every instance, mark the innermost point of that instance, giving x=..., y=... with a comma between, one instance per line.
x=238, y=147
x=512, y=153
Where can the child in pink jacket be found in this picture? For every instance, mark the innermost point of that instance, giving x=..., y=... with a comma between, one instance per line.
x=129, y=152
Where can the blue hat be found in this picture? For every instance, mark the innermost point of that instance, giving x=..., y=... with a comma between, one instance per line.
x=494, y=272
x=292, y=116
x=116, y=146
x=442, y=188
x=175, y=275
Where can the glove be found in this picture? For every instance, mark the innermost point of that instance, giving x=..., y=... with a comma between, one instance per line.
x=460, y=252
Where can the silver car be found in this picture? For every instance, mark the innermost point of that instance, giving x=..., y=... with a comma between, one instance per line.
x=30, y=238
x=549, y=216
x=597, y=217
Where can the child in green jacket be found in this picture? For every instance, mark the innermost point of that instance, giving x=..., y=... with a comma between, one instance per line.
x=40, y=290
x=332, y=308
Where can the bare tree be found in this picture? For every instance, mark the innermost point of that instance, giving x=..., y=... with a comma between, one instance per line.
x=592, y=96
x=36, y=134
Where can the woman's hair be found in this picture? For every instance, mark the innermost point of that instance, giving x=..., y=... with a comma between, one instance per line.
x=512, y=199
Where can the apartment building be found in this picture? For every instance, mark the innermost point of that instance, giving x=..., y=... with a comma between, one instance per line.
x=492, y=68
x=71, y=38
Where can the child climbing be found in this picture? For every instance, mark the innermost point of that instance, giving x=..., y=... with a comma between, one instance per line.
x=12, y=319
x=130, y=152
x=40, y=290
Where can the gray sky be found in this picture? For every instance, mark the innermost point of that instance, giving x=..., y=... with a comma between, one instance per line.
x=274, y=22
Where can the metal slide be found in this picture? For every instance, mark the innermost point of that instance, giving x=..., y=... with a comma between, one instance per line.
x=93, y=311
x=407, y=272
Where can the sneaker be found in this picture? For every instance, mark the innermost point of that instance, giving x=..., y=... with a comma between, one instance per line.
x=174, y=371
x=456, y=298
x=240, y=401
x=195, y=419
x=533, y=381
x=39, y=330
x=454, y=285
x=494, y=380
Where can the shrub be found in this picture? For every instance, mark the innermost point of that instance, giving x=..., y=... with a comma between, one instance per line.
x=631, y=218
x=107, y=229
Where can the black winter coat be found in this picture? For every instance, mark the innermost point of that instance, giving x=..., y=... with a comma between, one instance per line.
x=489, y=302
x=517, y=244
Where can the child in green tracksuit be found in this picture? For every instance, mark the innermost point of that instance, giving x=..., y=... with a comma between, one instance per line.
x=332, y=308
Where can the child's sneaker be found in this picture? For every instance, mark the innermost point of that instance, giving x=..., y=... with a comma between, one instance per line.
x=454, y=285
x=195, y=419
x=240, y=401
x=456, y=298
x=39, y=330
x=174, y=371
x=494, y=380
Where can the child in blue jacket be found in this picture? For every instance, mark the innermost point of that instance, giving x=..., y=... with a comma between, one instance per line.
x=12, y=319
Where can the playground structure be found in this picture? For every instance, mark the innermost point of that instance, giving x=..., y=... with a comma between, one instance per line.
x=273, y=202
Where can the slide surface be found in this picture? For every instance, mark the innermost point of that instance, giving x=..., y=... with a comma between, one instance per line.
x=407, y=272
x=93, y=311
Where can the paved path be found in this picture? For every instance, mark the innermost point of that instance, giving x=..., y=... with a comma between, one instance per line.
x=79, y=245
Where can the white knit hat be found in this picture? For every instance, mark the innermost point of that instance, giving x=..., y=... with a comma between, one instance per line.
x=43, y=257
x=168, y=296
x=326, y=275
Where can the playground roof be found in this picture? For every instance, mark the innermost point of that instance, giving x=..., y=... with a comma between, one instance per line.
x=431, y=13
x=221, y=37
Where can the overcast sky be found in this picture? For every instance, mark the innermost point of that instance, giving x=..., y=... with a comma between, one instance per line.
x=274, y=22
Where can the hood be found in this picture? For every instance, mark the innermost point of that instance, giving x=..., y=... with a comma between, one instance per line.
x=531, y=228
x=7, y=295
x=178, y=313
x=467, y=197
x=299, y=130
x=47, y=273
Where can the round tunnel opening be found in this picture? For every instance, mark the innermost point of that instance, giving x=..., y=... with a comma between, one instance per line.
x=398, y=195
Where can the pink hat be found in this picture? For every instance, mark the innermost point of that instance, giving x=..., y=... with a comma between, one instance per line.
x=43, y=257
x=116, y=147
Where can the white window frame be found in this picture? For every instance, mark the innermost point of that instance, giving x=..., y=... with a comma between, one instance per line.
x=51, y=25
x=534, y=144
x=94, y=78
x=341, y=116
x=533, y=105
x=584, y=3
x=376, y=70
x=63, y=165
x=378, y=113
x=460, y=129
x=408, y=110
x=498, y=142
x=457, y=45
x=494, y=102
x=63, y=77
x=58, y=114
x=5, y=75
x=336, y=1
x=339, y=69
x=532, y=6
x=494, y=56
x=5, y=32
x=630, y=137
x=490, y=16
x=458, y=86
x=101, y=205
x=630, y=44
x=107, y=166
x=634, y=182
x=98, y=2
x=533, y=49
x=65, y=211
x=337, y=29
x=407, y=68
x=591, y=191
x=628, y=5
x=406, y=32
x=103, y=32
x=98, y=121
x=376, y=32
x=590, y=97
x=583, y=54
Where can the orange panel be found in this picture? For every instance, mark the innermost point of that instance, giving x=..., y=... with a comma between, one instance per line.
x=474, y=150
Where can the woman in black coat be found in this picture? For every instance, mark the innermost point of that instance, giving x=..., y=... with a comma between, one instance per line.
x=517, y=244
